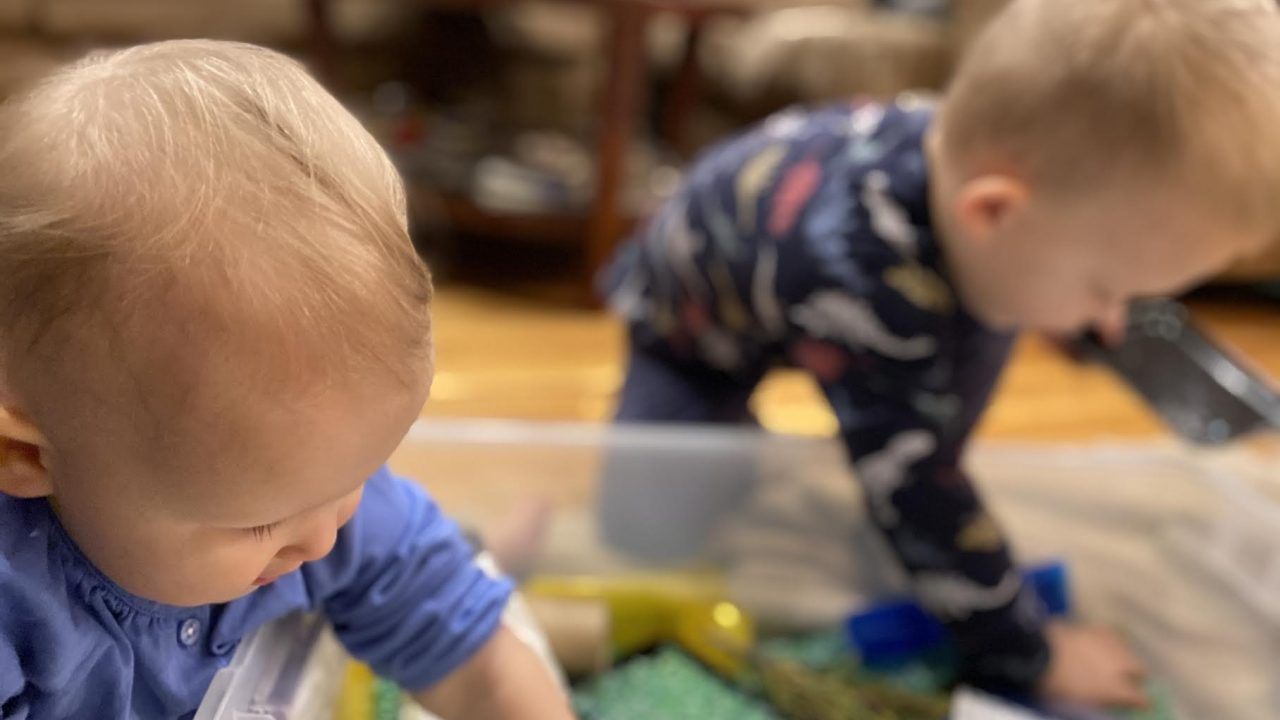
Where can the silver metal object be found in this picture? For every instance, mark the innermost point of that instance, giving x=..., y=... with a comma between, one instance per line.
x=1204, y=393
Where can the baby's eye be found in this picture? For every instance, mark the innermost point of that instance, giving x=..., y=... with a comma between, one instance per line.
x=262, y=532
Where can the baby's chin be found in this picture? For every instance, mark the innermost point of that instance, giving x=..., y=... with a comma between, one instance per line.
x=188, y=597
x=222, y=598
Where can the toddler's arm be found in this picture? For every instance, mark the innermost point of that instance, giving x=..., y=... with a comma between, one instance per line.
x=906, y=425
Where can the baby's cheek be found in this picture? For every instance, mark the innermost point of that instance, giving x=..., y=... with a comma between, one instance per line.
x=349, y=505
x=241, y=562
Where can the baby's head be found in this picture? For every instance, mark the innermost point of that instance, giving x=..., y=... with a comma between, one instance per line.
x=213, y=326
x=1092, y=151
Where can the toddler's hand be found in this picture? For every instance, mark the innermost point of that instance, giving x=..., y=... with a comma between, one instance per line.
x=1093, y=666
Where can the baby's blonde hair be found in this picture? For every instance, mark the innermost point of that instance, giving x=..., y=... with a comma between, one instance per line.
x=211, y=184
x=1078, y=94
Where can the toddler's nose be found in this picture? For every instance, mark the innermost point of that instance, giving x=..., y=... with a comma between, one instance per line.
x=1113, y=322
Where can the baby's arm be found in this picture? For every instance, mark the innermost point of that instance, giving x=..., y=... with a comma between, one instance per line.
x=504, y=680
x=406, y=596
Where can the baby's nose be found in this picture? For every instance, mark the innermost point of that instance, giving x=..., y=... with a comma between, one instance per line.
x=312, y=543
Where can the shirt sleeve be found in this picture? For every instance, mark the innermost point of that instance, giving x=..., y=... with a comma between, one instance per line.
x=906, y=444
x=51, y=664
x=402, y=589
x=11, y=681
x=37, y=638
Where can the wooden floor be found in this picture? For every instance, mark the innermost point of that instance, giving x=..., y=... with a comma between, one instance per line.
x=504, y=355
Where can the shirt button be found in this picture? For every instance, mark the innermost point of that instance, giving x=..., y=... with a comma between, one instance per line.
x=189, y=632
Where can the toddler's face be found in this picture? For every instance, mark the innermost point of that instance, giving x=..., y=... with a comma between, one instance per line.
x=1062, y=266
x=238, y=494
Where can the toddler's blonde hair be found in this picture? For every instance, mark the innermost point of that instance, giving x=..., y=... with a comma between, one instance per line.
x=213, y=185
x=1083, y=94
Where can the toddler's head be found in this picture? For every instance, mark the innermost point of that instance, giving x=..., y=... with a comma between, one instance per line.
x=213, y=326
x=1092, y=151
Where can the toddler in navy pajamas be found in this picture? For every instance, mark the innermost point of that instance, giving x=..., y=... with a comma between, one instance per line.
x=891, y=251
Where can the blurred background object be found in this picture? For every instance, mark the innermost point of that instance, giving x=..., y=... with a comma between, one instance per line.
x=533, y=133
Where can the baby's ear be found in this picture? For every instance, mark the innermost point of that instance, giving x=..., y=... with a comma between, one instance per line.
x=22, y=473
x=984, y=202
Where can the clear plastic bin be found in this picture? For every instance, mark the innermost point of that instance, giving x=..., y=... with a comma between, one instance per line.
x=1176, y=548
x=292, y=668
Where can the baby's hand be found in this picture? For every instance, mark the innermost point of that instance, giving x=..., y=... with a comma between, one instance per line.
x=1093, y=666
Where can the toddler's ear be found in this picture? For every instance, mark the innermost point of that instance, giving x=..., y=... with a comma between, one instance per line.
x=984, y=202
x=22, y=474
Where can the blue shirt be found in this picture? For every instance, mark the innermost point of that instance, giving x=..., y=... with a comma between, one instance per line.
x=808, y=241
x=400, y=588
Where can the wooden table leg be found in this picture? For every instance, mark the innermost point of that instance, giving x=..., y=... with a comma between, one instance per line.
x=623, y=105
x=323, y=47
x=685, y=92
